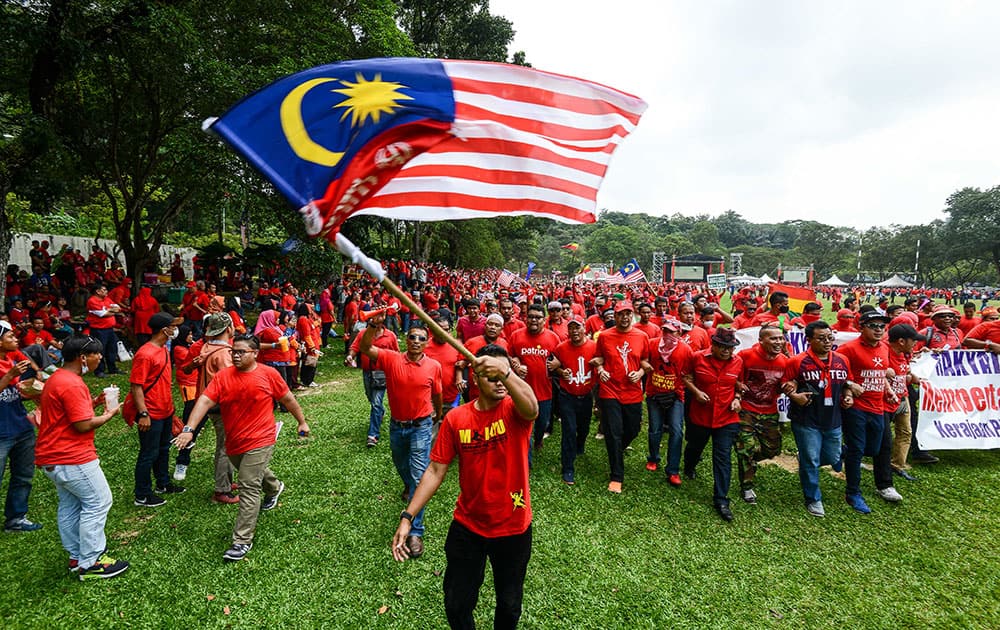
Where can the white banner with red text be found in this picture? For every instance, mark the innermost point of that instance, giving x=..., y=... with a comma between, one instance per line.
x=959, y=400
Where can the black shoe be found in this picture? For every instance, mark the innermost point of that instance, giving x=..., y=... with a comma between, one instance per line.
x=904, y=474
x=924, y=458
x=170, y=489
x=690, y=475
x=237, y=552
x=150, y=501
x=271, y=502
x=724, y=512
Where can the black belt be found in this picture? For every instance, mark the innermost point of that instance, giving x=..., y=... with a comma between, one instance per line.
x=409, y=423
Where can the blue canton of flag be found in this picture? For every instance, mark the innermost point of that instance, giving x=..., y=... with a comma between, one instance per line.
x=631, y=272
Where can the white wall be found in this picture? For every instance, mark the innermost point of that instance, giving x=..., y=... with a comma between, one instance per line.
x=22, y=245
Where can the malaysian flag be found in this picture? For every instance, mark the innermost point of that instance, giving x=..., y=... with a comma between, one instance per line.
x=631, y=272
x=427, y=140
x=506, y=278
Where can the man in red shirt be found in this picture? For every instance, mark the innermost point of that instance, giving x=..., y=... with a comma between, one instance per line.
x=471, y=324
x=453, y=381
x=373, y=379
x=985, y=336
x=101, y=313
x=66, y=454
x=413, y=384
x=491, y=334
x=669, y=360
x=760, y=431
x=692, y=334
x=557, y=322
x=622, y=362
x=645, y=323
x=576, y=398
x=151, y=383
x=489, y=436
x=246, y=392
x=902, y=339
x=530, y=349
x=865, y=429
x=194, y=307
x=713, y=382
x=778, y=312
x=969, y=320
x=743, y=319
x=511, y=323
x=942, y=334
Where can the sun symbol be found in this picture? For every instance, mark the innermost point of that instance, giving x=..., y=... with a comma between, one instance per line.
x=370, y=99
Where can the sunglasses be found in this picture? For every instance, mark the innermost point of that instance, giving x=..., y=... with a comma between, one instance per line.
x=240, y=353
x=875, y=326
x=416, y=337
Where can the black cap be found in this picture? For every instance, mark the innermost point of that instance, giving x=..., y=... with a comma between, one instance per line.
x=161, y=320
x=872, y=316
x=905, y=331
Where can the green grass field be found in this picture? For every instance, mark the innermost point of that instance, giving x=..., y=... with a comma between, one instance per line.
x=654, y=556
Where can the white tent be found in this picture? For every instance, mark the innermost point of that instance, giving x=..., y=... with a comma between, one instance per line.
x=766, y=279
x=745, y=279
x=894, y=281
x=833, y=281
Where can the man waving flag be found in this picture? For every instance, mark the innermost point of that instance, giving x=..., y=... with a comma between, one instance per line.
x=426, y=139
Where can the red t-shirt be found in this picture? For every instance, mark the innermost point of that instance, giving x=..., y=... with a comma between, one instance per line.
x=492, y=449
x=867, y=368
x=474, y=345
x=181, y=355
x=561, y=329
x=622, y=353
x=42, y=338
x=150, y=362
x=65, y=400
x=652, y=330
x=447, y=356
x=247, y=403
x=509, y=328
x=533, y=351
x=666, y=376
x=409, y=384
x=697, y=339
x=987, y=331
x=466, y=329
x=763, y=377
x=968, y=323
x=717, y=379
x=384, y=340
x=577, y=360
x=270, y=355
x=900, y=363
x=593, y=324
x=100, y=304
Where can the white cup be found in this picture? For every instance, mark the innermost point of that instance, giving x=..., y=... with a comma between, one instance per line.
x=111, y=397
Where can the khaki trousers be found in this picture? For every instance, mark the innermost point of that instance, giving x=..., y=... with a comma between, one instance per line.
x=256, y=480
x=223, y=469
x=902, y=434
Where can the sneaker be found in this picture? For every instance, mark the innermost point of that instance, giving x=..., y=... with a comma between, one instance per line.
x=313, y=384
x=372, y=441
x=225, y=497
x=237, y=552
x=839, y=466
x=905, y=474
x=180, y=472
x=889, y=494
x=546, y=435
x=598, y=436
x=724, y=512
x=74, y=565
x=170, y=489
x=857, y=502
x=150, y=501
x=816, y=509
x=674, y=480
x=21, y=525
x=271, y=502
x=750, y=496
x=651, y=466
x=416, y=546
x=105, y=567
x=615, y=487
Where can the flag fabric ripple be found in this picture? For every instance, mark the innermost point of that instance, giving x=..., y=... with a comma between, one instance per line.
x=427, y=140
x=631, y=272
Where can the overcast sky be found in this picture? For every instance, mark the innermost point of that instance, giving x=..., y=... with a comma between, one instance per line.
x=851, y=113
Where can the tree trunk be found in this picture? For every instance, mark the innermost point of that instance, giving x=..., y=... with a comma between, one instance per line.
x=6, y=241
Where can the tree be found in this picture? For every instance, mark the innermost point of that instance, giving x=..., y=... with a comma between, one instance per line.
x=973, y=227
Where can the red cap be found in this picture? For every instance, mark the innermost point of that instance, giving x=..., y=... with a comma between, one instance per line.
x=624, y=305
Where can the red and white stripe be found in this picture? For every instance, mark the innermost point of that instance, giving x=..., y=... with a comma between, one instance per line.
x=506, y=278
x=523, y=142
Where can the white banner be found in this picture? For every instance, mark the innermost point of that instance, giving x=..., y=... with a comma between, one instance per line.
x=959, y=400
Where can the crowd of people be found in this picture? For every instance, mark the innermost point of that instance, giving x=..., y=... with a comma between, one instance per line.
x=597, y=359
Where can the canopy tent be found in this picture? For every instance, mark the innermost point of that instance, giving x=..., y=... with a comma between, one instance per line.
x=766, y=279
x=833, y=281
x=745, y=279
x=894, y=282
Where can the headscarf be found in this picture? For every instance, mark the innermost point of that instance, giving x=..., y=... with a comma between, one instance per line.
x=267, y=319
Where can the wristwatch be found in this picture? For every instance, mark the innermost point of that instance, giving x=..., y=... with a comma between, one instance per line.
x=406, y=515
x=143, y=414
x=187, y=429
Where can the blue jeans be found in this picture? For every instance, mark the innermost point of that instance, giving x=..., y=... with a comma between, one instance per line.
x=109, y=342
x=84, y=503
x=576, y=412
x=20, y=450
x=154, y=455
x=411, y=453
x=621, y=423
x=862, y=436
x=535, y=441
x=376, y=397
x=816, y=448
x=722, y=455
x=673, y=417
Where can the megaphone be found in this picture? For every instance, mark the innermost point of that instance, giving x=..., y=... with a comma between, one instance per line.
x=366, y=315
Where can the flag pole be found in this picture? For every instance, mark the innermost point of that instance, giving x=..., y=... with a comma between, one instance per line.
x=374, y=269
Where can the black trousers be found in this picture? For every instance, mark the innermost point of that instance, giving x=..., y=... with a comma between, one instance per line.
x=466, y=553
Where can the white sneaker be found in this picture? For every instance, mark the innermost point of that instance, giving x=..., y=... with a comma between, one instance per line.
x=313, y=384
x=816, y=509
x=889, y=494
x=180, y=472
